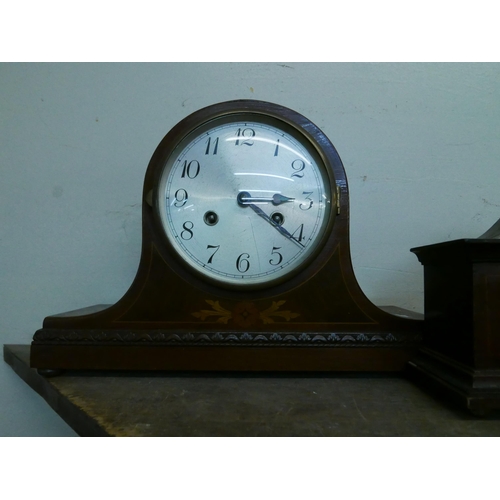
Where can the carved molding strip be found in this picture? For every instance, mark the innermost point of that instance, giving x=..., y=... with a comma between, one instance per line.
x=162, y=337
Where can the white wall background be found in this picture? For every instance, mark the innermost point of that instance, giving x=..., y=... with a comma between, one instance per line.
x=420, y=145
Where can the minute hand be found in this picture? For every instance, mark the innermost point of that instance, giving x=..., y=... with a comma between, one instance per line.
x=266, y=217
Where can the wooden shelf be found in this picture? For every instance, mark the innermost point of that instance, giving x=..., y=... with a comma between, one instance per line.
x=161, y=404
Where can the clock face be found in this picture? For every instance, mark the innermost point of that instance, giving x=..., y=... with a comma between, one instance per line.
x=245, y=200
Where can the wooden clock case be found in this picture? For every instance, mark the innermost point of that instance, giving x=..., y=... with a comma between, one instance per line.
x=169, y=319
x=460, y=351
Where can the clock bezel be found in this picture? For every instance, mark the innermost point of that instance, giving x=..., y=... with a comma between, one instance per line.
x=291, y=122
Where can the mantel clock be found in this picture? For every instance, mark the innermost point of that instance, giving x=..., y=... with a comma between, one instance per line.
x=245, y=261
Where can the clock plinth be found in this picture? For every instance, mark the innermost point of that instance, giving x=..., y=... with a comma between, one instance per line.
x=460, y=352
x=291, y=331
x=245, y=261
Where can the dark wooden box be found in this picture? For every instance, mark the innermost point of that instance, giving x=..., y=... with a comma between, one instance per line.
x=461, y=343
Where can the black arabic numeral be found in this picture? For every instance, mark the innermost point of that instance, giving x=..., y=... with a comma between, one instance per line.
x=277, y=148
x=181, y=198
x=209, y=261
x=216, y=146
x=191, y=169
x=279, y=256
x=308, y=198
x=187, y=234
x=300, y=231
x=298, y=166
x=246, y=134
x=242, y=263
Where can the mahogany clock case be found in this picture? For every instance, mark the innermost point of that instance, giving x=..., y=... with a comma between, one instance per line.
x=171, y=319
x=460, y=351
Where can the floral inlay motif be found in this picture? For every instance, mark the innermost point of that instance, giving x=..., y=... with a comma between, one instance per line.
x=245, y=314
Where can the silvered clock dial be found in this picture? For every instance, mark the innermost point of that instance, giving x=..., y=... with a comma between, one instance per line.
x=245, y=200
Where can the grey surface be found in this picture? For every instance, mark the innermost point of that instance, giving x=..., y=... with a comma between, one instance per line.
x=183, y=405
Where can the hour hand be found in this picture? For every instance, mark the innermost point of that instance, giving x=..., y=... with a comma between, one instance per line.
x=244, y=198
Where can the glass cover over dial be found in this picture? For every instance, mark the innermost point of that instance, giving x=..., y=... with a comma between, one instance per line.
x=245, y=200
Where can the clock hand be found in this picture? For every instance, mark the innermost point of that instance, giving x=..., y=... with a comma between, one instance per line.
x=280, y=229
x=276, y=199
x=245, y=196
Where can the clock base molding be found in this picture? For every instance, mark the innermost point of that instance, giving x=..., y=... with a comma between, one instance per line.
x=228, y=351
x=473, y=389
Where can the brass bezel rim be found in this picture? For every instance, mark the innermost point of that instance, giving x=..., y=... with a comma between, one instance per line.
x=267, y=112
